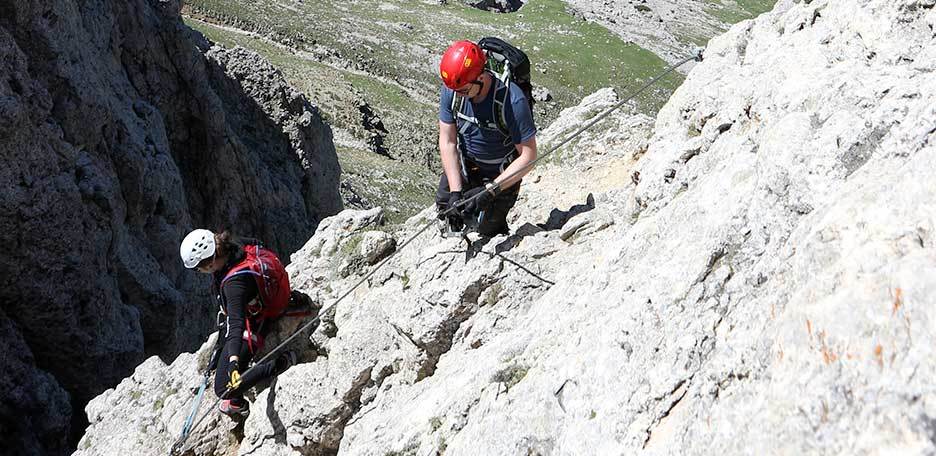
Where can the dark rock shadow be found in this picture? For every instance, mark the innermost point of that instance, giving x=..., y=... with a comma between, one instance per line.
x=279, y=429
x=527, y=229
x=474, y=248
x=557, y=218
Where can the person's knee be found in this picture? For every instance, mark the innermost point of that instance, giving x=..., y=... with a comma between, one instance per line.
x=442, y=195
x=493, y=226
x=220, y=385
x=441, y=198
x=441, y=206
x=495, y=220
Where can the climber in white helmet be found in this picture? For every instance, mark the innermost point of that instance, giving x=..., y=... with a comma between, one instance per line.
x=252, y=288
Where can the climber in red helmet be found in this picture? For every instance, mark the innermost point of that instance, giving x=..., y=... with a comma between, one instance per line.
x=481, y=145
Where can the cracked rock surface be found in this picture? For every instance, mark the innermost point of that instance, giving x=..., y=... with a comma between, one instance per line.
x=752, y=272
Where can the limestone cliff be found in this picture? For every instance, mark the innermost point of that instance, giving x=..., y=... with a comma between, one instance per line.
x=120, y=130
x=752, y=272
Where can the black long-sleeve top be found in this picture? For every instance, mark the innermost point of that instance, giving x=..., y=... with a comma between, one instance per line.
x=234, y=297
x=239, y=291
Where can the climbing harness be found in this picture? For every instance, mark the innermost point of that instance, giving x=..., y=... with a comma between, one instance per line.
x=178, y=446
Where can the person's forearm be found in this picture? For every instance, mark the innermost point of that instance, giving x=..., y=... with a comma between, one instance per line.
x=235, y=300
x=233, y=341
x=507, y=178
x=451, y=165
x=519, y=167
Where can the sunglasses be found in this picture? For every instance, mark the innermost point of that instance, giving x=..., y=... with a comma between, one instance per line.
x=464, y=90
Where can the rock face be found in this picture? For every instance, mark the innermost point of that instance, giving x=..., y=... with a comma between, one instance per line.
x=120, y=131
x=671, y=29
x=753, y=274
x=35, y=411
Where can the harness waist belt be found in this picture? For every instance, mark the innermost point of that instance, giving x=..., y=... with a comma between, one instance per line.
x=495, y=161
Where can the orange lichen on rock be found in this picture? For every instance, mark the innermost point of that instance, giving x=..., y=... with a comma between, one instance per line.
x=828, y=355
x=898, y=300
x=879, y=355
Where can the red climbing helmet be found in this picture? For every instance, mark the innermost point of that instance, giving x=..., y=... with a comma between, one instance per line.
x=462, y=63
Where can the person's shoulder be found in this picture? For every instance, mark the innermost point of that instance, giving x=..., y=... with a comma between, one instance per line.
x=244, y=241
x=241, y=282
x=516, y=92
x=446, y=95
x=445, y=92
x=517, y=97
x=239, y=275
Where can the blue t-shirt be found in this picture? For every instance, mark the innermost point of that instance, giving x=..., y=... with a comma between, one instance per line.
x=489, y=144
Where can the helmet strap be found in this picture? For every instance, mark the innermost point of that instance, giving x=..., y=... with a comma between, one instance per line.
x=484, y=86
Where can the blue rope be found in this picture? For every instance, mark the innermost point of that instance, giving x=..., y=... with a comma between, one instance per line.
x=187, y=428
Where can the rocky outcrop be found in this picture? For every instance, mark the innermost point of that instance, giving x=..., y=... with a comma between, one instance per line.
x=670, y=29
x=277, y=125
x=755, y=273
x=120, y=131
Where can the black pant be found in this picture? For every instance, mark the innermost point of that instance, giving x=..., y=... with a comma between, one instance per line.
x=259, y=373
x=494, y=220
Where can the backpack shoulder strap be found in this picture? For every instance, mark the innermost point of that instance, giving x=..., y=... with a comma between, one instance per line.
x=235, y=273
x=244, y=267
x=457, y=104
x=502, y=97
x=461, y=120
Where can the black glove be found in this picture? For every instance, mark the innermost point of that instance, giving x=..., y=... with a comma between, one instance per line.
x=454, y=216
x=234, y=378
x=482, y=203
x=454, y=198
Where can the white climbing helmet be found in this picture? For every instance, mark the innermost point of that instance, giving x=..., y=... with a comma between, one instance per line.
x=198, y=245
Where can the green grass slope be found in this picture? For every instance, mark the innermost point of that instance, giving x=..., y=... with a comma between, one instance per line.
x=402, y=40
x=384, y=54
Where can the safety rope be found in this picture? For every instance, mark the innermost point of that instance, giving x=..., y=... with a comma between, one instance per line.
x=187, y=427
x=178, y=445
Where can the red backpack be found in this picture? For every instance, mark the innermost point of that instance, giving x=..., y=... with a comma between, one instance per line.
x=272, y=281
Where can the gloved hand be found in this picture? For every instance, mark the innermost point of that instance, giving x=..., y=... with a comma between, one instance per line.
x=481, y=203
x=454, y=198
x=454, y=217
x=234, y=378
